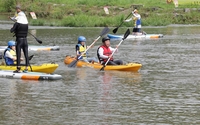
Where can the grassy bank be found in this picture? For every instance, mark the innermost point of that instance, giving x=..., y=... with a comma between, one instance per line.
x=82, y=13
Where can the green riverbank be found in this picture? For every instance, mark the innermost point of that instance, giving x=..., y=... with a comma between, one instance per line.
x=90, y=13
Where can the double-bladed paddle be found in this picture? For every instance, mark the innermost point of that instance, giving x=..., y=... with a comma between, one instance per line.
x=125, y=36
x=115, y=30
x=103, y=32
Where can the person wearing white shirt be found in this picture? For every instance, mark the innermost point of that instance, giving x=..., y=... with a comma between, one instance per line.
x=104, y=52
x=137, y=22
x=20, y=29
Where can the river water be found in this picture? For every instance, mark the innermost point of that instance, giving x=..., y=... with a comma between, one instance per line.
x=165, y=91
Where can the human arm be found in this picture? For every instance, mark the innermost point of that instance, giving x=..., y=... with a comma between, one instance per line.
x=9, y=55
x=13, y=18
x=113, y=49
x=77, y=50
x=128, y=20
x=100, y=52
x=14, y=28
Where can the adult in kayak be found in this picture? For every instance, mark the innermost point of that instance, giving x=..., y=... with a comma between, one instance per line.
x=80, y=50
x=10, y=54
x=104, y=52
x=137, y=22
x=20, y=28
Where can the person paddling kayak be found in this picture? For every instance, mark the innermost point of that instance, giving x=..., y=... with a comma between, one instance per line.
x=137, y=22
x=104, y=52
x=20, y=28
x=81, y=48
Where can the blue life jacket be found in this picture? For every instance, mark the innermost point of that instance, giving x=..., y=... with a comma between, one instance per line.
x=138, y=22
x=8, y=60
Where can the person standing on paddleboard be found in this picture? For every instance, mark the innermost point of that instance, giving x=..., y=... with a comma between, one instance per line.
x=104, y=52
x=80, y=50
x=20, y=28
x=137, y=22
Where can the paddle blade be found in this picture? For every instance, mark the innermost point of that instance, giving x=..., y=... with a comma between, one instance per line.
x=115, y=30
x=102, y=68
x=39, y=41
x=126, y=34
x=73, y=63
x=30, y=57
x=104, y=31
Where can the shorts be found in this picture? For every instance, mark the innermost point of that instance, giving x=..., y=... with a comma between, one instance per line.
x=136, y=29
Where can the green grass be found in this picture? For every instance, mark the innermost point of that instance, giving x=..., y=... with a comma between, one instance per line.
x=83, y=13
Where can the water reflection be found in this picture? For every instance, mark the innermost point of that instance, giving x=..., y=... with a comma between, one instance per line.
x=105, y=97
x=17, y=104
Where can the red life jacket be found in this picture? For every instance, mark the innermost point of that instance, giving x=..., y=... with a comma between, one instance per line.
x=106, y=52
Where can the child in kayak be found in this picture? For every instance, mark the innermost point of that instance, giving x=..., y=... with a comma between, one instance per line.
x=80, y=50
x=10, y=54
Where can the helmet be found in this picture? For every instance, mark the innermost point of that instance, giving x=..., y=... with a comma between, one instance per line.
x=81, y=39
x=11, y=43
x=105, y=38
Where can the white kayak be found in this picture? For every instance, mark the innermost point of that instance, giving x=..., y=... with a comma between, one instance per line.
x=148, y=36
x=29, y=75
x=36, y=48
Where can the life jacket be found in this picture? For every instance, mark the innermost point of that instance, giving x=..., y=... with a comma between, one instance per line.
x=8, y=60
x=82, y=49
x=20, y=30
x=106, y=52
x=137, y=21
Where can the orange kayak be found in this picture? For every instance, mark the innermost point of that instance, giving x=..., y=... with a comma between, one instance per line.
x=126, y=67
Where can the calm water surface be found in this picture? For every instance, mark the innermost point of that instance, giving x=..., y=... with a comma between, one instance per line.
x=166, y=91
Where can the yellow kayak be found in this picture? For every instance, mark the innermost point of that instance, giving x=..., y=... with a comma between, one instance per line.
x=45, y=68
x=126, y=67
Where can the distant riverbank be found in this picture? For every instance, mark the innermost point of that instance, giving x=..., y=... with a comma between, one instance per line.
x=91, y=14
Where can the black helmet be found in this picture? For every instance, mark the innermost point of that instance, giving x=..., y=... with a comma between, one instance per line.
x=105, y=38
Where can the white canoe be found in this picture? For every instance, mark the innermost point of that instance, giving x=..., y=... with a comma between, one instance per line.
x=29, y=75
x=148, y=36
x=36, y=48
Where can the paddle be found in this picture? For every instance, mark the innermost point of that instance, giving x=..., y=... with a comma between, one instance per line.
x=125, y=36
x=115, y=30
x=39, y=41
x=103, y=32
x=30, y=57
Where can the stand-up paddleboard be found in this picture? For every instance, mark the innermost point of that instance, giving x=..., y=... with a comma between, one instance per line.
x=36, y=48
x=147, y=36
x=29, y=75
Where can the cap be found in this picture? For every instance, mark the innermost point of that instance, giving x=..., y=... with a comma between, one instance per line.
x=135, y=10
x=18, y=7
x=105, y=38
